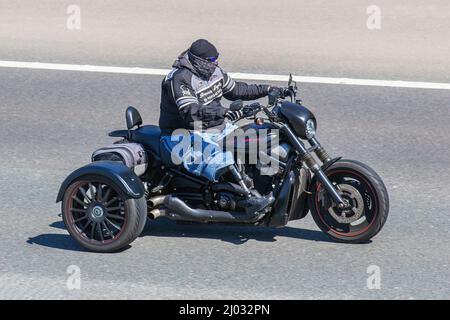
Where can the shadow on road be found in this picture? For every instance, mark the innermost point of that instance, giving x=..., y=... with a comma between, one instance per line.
x=60, y=241
x=58, y=225
x=167, y=228
x=57, y=241
x=233, y=234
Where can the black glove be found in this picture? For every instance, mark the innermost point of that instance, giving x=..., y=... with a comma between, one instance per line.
x=279, y=92
x=233, y=115
x=275, y=91
x=251, y=109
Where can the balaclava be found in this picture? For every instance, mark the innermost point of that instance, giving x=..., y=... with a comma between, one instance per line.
x=199, y=51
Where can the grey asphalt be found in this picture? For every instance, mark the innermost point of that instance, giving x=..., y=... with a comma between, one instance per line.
x=315, y=38
x=51, y=121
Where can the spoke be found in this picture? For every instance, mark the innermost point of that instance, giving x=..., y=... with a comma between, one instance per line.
x=106, y=196
x=113, y=209
x=85, y=226
x=79, y=201
x=115, y=216
x=91, y=188
x=92, y=230
x=108, y=230
x=85, y=195
x=99, y=192
x=114, y=225
x=78, y=210
x=111, y=201
x=100, y=231
x=80, y=219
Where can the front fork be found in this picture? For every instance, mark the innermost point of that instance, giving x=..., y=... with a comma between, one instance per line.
x=312, y=164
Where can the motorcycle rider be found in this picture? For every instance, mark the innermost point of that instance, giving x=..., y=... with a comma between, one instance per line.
x=191, y=94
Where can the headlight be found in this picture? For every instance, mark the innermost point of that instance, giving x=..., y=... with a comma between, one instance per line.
x=310, y=129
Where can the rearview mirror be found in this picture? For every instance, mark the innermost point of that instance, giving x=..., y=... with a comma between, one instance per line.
x=133, y=117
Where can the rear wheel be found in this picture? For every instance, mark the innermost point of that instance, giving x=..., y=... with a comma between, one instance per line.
x=364, y=190
x=99, y=217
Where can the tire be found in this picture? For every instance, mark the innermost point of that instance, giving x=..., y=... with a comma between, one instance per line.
x=102, y=220
x=371, y=207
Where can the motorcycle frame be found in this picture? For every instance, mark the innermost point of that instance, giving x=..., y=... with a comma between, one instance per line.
x=286, y=207
x=290, y=192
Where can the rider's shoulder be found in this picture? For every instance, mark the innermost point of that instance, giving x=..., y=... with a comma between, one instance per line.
x=220, y=71
x=179, y=73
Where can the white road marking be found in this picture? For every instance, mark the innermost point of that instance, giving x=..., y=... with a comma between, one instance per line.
x=235, y=75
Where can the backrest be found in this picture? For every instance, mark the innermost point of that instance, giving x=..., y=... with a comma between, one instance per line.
x=133, y=118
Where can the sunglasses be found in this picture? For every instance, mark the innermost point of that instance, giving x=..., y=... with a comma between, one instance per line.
x=212, y=59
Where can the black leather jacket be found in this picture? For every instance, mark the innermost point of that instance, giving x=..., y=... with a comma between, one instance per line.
x=185, y=97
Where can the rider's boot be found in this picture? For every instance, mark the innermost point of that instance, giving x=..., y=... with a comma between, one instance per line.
x=253, y=203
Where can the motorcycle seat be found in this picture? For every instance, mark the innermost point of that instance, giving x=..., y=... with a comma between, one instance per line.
x=148, y=135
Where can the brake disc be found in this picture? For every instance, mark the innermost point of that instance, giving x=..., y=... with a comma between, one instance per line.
x=352, y=195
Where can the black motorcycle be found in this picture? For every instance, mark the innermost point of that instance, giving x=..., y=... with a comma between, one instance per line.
x=105, y=204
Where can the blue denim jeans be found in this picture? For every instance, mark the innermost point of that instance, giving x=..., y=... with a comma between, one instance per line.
x=199, y=151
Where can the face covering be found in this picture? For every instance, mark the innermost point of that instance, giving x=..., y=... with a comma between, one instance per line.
x=203, y=67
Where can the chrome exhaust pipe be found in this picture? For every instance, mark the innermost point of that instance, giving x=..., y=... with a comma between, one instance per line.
x=156, y=213
x=177, y=208
x=156, y=201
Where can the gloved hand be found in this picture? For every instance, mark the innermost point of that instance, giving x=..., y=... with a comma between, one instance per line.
x=234, y=115
x=278, y=92
x=275, y=90
x=251, y=109
x=275, y=93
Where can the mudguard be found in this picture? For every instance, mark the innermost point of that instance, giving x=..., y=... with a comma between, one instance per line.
x=122, y=176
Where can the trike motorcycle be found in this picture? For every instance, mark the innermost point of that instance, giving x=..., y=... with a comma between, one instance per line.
x=105, y=204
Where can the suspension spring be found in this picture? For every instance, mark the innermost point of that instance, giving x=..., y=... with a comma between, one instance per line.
x=322, y=154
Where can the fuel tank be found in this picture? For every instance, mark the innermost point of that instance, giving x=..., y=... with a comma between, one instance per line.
x=257, y=144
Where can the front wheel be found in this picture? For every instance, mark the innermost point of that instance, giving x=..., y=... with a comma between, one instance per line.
x=366, y=193
x=99, y=217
